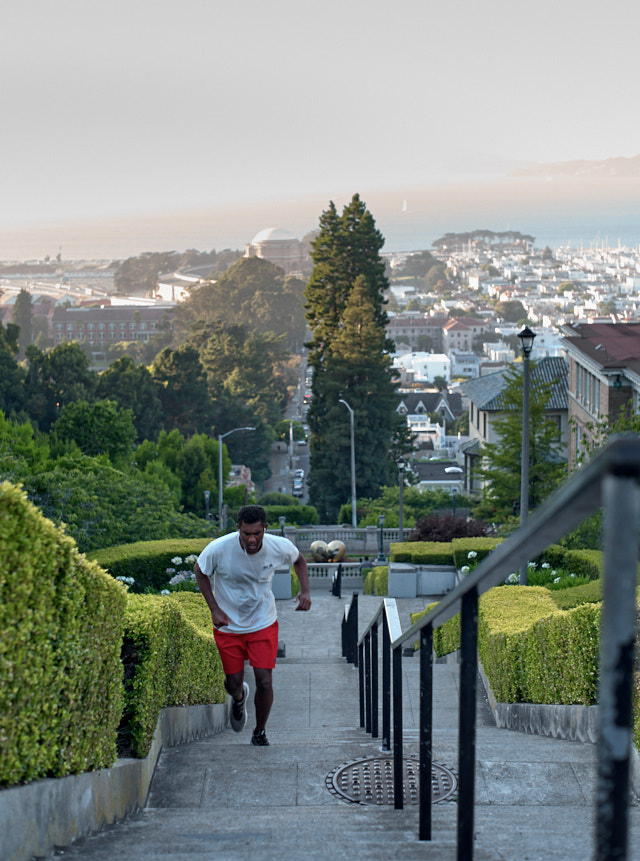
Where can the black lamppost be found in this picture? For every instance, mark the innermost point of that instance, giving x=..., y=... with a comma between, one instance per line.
x=354, y=511
x=221, y=436
x=526, y=339
x=400, y=500
x=458, y=471
x=382, y=559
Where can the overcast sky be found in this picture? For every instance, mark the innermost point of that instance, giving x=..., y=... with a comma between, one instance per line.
x=141, y=106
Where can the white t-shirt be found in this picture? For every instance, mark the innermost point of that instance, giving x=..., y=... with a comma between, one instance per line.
x=241, y=581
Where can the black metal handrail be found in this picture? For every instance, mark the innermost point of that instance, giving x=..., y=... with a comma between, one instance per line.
x=609, y=482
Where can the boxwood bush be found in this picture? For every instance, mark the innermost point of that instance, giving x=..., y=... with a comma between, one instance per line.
x=422, y=552
x=530, y=649
x=146, y=562
x=170, y=659
x=61, y=618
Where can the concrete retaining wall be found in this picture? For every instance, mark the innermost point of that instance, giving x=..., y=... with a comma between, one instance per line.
x=573, y=722
x=39, y=816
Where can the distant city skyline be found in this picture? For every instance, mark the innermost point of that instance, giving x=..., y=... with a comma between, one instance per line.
x=157, y=106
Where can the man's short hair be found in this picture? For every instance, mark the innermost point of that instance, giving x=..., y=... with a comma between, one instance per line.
x=251, y=514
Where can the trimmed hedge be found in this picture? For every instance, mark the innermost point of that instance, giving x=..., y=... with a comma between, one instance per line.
x=376, y=581
x=60, y=672
x=588, y=593
x=298, y=515
x=504, y=615
x=422, y=552
x=170, y=660
x=531, y=650
x=147, y=561
x=461, y=547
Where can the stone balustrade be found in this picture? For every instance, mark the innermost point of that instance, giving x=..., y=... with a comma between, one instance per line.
x=360, y=542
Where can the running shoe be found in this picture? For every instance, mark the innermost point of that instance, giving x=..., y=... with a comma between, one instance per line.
x=238, y=716
x=259, y=738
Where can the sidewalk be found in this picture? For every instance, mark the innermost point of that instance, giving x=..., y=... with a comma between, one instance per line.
x=221, y=798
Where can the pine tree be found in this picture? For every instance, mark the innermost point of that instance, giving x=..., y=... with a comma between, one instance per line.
x=356, y=368
x=502, y=459
x=347, y=246
x=22, y=316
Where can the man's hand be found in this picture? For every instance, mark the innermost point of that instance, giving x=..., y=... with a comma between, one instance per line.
x=304, y=601
x=219, y=617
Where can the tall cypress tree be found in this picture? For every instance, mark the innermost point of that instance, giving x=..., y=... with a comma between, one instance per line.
x=347, y=245
x=349, y=355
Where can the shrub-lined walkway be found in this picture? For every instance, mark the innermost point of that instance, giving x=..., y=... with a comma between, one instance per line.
x=219, y=797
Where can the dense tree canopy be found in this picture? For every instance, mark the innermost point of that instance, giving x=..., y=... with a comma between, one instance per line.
x=132, y=387
x=58, y=377
x=253, y=293
x=97, y=428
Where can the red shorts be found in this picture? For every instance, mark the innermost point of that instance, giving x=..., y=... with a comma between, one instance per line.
x=260, y=648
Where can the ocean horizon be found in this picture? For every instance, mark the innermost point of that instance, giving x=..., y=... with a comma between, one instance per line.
x=575, y=212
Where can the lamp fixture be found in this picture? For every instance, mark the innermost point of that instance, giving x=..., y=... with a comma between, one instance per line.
x=526, y=339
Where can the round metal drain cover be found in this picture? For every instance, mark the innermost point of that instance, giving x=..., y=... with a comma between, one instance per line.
x=370, y=781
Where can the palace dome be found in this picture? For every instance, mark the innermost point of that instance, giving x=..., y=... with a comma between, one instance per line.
x=273, y=234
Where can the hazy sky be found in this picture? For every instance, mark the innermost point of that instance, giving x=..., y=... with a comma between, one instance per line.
x=140, y=106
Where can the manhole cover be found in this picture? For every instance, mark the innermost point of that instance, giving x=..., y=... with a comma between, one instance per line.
x=370, y=781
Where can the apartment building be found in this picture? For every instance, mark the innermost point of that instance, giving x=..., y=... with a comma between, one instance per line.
x=604, y=377
x=101, y=325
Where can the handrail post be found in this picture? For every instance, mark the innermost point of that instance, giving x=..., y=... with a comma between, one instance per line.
x=398, y=799
x=353, y=618
x=386, y=686
x=367, y=682
x=426, y=730
x=360, y=649
x=621, y=504
x=467, y=722
x=374, y=681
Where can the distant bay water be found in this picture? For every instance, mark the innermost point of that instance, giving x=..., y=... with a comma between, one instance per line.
x=579, y=212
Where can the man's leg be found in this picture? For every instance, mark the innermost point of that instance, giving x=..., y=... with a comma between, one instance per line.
x=264, y=696
x=233, y=684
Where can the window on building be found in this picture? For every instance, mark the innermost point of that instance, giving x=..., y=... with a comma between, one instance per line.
x=579, y=382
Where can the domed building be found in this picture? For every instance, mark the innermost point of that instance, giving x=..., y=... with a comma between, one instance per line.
x=281, y=248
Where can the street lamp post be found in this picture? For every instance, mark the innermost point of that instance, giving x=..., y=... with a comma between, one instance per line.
x=459, y=471
x=400, y=500
x=381, y=560
x=221, y=436
x=526, y=339
x=207, y=494
x=282, y=521
x=354, y=512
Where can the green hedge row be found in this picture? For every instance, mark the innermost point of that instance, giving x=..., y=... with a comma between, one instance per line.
x=296, y=515
x=61, y=619
x=582, y=563
x=376, y=581
x=531, y=650
x=170, y=659
x=453, y=552
x=146, y=562
x=481, y=546
x=422, y=552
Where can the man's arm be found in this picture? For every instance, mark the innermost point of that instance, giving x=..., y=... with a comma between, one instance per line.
x=218, y=616
x=303, y=597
